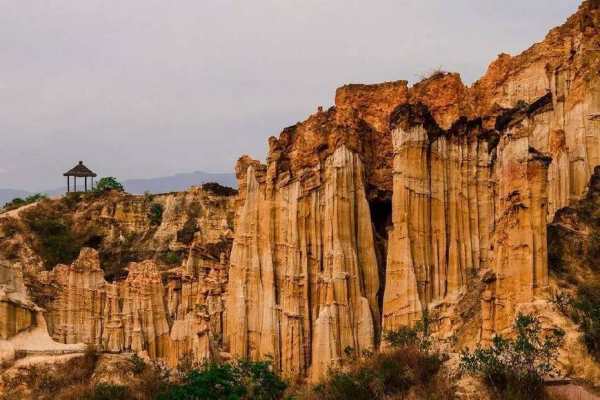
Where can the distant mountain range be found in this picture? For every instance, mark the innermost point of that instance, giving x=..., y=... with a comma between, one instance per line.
x=173, y=183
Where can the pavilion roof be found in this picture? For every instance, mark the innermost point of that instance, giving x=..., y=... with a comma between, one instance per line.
x=80, y=170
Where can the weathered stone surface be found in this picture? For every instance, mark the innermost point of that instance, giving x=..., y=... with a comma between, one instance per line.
x=303, y=279
x=474, y=174
x=139, y=314
x=395, y=203
x=441, y=211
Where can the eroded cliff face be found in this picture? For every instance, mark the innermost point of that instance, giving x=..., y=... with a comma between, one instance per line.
x=460, y=183
x=161, y=315
x=303, y=279
x=152, y=284
x=400, y=202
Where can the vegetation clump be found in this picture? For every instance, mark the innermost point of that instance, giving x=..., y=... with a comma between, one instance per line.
x=19, y=202
x=45, y=382
x=515, y=368
x=171, y=258
x=107, y=391
x=587, y=314
x=584, y=310
x=407, y=365
x=219, y=189
x=56, y=242
x=186, y=234
x=155, y=213
x=108, y=183
x=232, y=381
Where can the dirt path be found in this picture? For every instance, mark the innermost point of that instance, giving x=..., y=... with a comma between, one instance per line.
x=15, y=213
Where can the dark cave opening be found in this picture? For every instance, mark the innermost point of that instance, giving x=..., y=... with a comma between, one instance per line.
x=381, y=218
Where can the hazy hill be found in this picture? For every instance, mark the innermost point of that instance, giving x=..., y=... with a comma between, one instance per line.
x=173, y=183
x=7, y=195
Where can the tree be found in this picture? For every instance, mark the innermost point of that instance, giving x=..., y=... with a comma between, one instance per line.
x=108, y=183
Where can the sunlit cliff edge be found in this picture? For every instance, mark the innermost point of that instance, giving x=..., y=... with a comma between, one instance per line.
x=398, y=201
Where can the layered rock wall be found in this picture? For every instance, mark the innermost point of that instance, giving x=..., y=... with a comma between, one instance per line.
x=396, y=204
x=139, y=314
x=472, y=175
x=442, y=217
x=303, y=277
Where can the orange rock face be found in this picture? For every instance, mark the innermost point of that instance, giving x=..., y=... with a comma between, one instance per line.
x=396, y=203
x=467, y=178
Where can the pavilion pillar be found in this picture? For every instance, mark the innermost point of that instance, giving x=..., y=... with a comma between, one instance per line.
x=85, y=182
x=75, y=184
x=68, y=184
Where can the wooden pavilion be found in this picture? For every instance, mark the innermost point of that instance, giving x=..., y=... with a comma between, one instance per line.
x=79, y=171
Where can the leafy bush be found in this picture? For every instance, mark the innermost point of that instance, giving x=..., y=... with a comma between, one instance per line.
x=171, y=258
x=515, y=368
x=137, y=364
x=408, y=364
x=593, y=250
x=186, y=234
x=384, y=375
x=586, y=312
x=56, y=241
x=155, y=213
x=19, y=202
x=153, y=382
x=108, y=183
x=240, y=380
x=404, y=336
x=410, y=336
x=107, y=391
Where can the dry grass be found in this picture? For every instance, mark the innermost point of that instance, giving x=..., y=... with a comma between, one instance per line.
x=386, y=375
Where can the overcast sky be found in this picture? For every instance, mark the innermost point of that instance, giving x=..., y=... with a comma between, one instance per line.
x=145, y=88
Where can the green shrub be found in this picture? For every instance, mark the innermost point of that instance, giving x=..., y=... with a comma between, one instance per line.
x=514, y=368
x=19, y=202
x=107, y=391
x=108, y=183
x=593, y=250
x=408, y=364
x=137, y=364
x=260, y=381
x=586, y=312
x=171, y=258
x=155, y=213
x=404, y=336
x=153, y=382
x=56, y=241
x=410, y=336
x=186, y=234
x=384, y=375
x=241, y=380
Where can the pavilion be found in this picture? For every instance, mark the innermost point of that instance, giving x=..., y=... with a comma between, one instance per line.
x=79, y=171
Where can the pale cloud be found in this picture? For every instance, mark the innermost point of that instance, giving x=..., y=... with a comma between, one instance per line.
x=142, y=88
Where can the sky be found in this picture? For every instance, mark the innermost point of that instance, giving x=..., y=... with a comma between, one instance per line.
x=146, y=88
